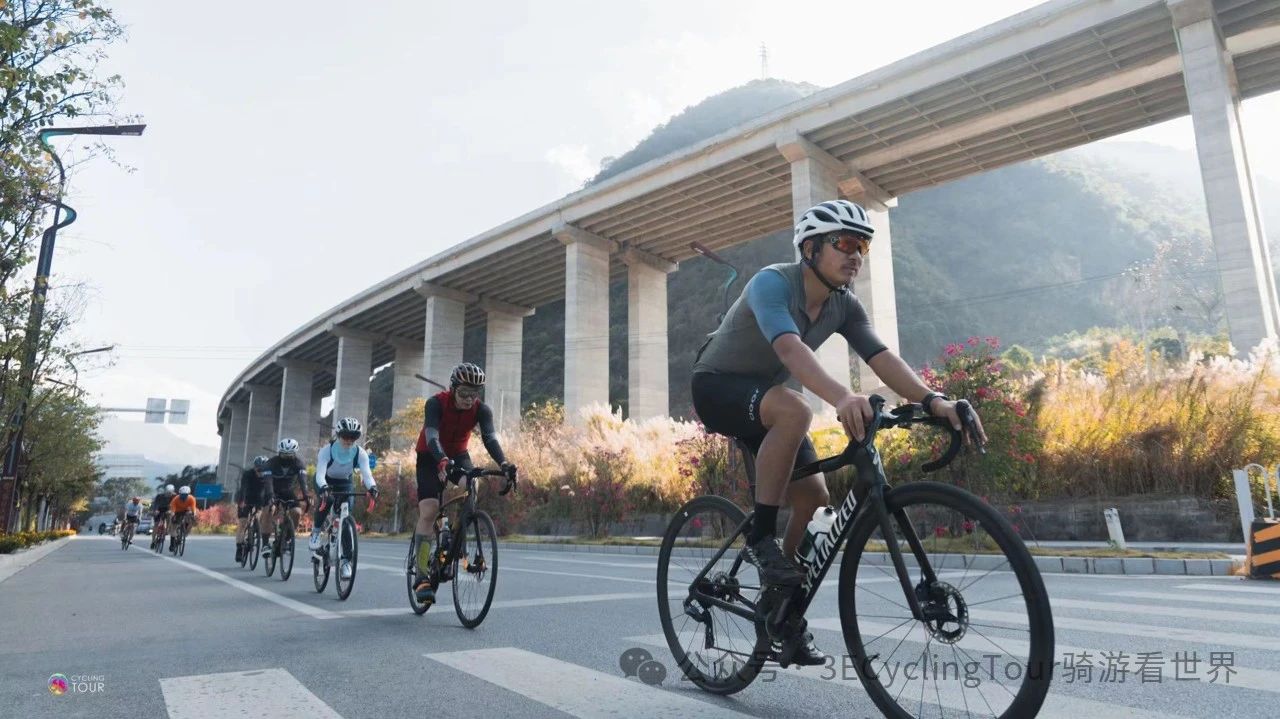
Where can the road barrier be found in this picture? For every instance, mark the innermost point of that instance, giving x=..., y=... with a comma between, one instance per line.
x=1261, y=534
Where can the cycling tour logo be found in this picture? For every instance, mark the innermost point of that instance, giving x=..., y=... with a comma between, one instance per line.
x=60, y=684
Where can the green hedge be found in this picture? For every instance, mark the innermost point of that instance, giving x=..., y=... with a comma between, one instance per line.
x=13, y=542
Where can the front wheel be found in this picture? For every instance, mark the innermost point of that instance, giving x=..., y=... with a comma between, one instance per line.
x=285, y=542
x=717, y=649
x=182, y=543
x=475, y=569
x=269, y=557
x=253, y=546
x=412, y=575
x=320, y=568
x=347, y=547
x=985, y=610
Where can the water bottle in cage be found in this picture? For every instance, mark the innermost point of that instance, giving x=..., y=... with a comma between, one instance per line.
x=816, y=534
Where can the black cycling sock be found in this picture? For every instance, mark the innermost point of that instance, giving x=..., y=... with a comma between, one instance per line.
x=763, y=524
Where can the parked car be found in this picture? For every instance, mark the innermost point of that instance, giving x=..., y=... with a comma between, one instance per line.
x=144, y=526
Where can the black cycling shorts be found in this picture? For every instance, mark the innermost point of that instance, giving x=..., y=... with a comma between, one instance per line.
x=247, y=509
x=730, y=405
x=131, y=518
x=429, y=484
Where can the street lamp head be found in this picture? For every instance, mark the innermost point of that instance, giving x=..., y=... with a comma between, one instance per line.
x=50, y=132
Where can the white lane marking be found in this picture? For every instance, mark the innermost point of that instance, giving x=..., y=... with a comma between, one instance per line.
x=649, y=582
x=575, y=690
x=1256, y=602
x=511, y=603
x=234, y=695
x=1215, y=615
x=557, y=560
x=1273, y=590
x=1113, y=628
x=286, y=602
x=951, y=693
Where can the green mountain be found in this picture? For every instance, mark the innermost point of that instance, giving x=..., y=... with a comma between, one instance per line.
x=1024, y=253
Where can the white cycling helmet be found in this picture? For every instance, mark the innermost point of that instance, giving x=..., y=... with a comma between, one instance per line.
x=467, y=374
x=832, y=216
x=349, y=425
x=168, y=488
x=287, y=446
x=185, y=490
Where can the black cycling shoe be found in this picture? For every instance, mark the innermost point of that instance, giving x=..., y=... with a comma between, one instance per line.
x=424, y=592
x=799, y=650
x=776, y=569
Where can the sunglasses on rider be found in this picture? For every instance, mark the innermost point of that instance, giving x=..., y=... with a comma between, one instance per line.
x=849, y=242
x=349, y=435
x=466, y=392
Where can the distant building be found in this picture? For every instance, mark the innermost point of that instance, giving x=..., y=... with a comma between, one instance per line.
x=114, y=466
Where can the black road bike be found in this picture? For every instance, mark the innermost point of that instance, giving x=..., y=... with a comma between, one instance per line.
x=465, y=552
x=282, y=539
x=252, y=540
x=932, y=577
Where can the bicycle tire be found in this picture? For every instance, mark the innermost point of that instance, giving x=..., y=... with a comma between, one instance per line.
x=742, y=676
x=269, y=561
x=320, y=570
x=182, y=543
x=482, y=524
x=254, y=546
x=348, y=530
x=411, y=577
x=1032, y=693
x=286, y=544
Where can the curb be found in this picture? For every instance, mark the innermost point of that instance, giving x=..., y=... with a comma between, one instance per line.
x=11, y=564
x=1046, y=564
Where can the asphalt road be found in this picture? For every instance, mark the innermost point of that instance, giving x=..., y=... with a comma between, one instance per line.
x=137, y=635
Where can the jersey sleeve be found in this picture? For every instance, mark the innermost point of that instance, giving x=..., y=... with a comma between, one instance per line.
x=488, y=434
x=769, y=298
x=433, y=415
x=858, y=331
x=322, y=463
x=362, y=462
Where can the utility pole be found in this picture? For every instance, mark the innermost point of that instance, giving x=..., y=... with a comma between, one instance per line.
x=396, y=522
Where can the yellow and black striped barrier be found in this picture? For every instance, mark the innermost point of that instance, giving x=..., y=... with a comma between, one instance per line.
x=1264, y=549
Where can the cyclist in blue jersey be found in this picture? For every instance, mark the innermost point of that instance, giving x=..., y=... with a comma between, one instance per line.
x=336, y=464
x=770, y=333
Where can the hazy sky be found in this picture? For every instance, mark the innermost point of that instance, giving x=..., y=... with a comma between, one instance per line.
x=297, y=154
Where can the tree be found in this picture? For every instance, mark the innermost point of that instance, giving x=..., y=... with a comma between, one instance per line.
x=190, y=476
x=119, y=490
x=60, y=443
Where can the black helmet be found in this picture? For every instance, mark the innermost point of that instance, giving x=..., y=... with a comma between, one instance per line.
x=467, y=374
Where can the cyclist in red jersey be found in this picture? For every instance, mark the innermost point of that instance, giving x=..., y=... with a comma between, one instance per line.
x=449, y=419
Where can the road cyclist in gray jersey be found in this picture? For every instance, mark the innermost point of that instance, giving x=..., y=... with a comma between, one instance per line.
x=785, y=313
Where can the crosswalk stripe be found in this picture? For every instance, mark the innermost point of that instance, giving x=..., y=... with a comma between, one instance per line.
x=1273, y=590
x=950, y=695
x=1257, y=603
x=1114, y=628
x=286, y=602
x=572, y=689
x=1240, y=677
x=1216, y=615
x=265, y=692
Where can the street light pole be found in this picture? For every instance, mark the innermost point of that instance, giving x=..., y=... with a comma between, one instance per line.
x=43, y=267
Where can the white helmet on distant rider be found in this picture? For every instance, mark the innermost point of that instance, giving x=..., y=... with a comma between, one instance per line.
x=185, y=490
x=287, y=447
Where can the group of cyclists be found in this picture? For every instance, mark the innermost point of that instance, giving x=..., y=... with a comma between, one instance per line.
x=179, y=505
x=784, y=314
x=280, y=482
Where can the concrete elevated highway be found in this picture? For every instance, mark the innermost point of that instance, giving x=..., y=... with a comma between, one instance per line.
x=1059, y=75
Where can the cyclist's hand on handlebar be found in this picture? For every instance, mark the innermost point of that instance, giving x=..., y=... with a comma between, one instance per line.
x=854, y=413
x=373, y=493
x=947, y=410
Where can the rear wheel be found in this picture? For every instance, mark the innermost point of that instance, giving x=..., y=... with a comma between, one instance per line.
x=272, y=544
x=286, y=544
x=980, y=564
x=475, y=569
x=182, y=543
x=347, y=547
x=718, y=650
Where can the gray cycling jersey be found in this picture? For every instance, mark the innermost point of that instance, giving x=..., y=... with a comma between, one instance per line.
x=767, y=309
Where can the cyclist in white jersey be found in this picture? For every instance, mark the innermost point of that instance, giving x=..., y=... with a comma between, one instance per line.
x=335, y=465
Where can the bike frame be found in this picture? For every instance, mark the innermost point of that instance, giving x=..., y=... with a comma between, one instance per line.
x=868, y=491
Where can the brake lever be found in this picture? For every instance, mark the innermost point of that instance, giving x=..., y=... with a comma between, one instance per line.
x=968, y=418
